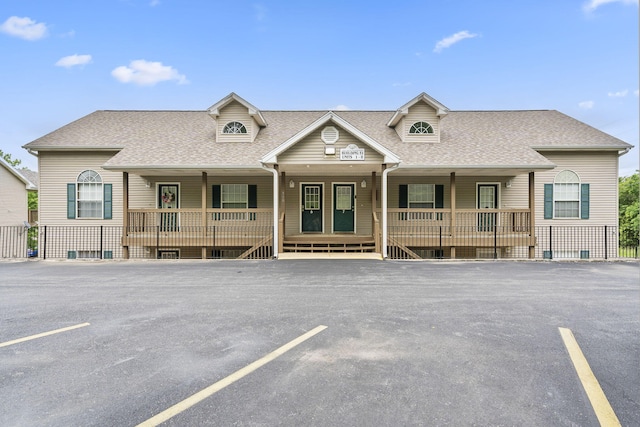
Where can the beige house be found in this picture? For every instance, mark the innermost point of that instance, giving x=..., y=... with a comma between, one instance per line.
x=420, y=181
x=14, y=188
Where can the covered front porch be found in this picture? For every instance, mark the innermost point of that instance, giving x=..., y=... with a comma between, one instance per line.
x=392, y=232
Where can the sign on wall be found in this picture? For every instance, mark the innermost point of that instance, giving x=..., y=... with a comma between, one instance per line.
x=352, y=152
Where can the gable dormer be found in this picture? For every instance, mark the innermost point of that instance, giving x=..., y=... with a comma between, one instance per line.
x=236, y=119
x=419, y=119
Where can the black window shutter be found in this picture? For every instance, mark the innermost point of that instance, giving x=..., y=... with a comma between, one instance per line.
x=215, y=190
x=71, y=201
x=108, y=204
x=253, y=196
x=548, y=201
x=403, y=192
x=584, y=201
x=439, y=196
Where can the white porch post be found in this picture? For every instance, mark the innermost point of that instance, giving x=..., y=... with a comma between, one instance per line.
x=385, y=234
x=276, y=198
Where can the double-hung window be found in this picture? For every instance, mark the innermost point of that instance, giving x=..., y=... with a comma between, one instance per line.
x=90, y=195
x=567, y=197
x=421, y=196
x=235, y=196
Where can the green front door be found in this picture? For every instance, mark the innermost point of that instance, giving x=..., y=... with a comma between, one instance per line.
x=311, y=208
x=343, y=208
x=487, y=199
x=168, y=198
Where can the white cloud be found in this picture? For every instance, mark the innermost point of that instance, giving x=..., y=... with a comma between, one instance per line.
x=619, y=94
x=24, y=28
x=73, y=60
x=146, y=73
x=340, y=107
x=154, y=3
x=592, y=5
x=636, y=92
x=451, y=40
x=587, y=105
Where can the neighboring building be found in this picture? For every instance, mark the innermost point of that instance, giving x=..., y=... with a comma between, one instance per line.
x=421, y=181
x=15, y=185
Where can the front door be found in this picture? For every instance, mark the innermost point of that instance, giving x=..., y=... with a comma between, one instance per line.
x=487, y=199
x=343, y=208
x=311, y=208
x=168, y=198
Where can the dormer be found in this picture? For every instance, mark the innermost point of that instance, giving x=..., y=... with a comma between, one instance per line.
x=419, y=119
x=236, y=119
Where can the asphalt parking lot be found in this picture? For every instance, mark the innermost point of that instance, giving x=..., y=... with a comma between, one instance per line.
x=394, y=343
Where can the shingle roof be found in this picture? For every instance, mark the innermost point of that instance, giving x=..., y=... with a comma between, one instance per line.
x=187, y=138
x=24, y=175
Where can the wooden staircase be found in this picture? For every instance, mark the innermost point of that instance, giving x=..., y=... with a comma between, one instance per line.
x=329, y=244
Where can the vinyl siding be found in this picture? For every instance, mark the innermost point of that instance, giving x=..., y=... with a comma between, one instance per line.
x=515, y=197
x=419, y=112
x=599, y=170
x=364, y=214
x=13, y=199
x=57, y=169
x=236, y=112
x=311, y=150
x=141, y=197
x=394, y=183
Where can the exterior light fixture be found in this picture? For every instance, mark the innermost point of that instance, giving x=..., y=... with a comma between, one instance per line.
x=363, y=184
x=291, y=184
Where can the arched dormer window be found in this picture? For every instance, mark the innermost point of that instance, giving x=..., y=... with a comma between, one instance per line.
x=90, y=194
x=234, y=128
x=566, y=195
x=420, y=128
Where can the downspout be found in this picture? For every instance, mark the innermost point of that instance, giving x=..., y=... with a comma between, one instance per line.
x=276, y=199
x=385, y=236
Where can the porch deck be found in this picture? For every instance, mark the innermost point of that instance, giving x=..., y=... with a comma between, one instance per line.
x=409, y=231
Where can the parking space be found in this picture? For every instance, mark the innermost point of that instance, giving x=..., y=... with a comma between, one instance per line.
x=401, y=343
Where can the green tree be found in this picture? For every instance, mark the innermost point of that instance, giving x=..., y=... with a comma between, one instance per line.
x=629, y=207
x=8, y=159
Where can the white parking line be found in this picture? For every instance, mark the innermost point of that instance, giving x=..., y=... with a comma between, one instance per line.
x=203, y=394
x=598, y=400
x=44, y=334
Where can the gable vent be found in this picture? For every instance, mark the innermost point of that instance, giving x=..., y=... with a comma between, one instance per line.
x=330, y=135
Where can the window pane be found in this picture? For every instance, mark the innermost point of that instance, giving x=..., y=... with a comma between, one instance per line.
x=421, y=193
x=89, y=195
x=89, y=209
x=343, y=198
x=311, y=198
x=567, y=209
x=234, y=196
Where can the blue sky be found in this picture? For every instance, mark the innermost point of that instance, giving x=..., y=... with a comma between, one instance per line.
x=64, y=59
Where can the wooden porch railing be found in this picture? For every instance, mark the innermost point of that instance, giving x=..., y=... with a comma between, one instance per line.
x=482, y=220
x=174, y=220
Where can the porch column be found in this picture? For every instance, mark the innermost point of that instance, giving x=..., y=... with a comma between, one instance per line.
x=532, y=215
x=125, y=214
x=452, y=188
x=204, y=214
x=374, y=204
x=283, y=205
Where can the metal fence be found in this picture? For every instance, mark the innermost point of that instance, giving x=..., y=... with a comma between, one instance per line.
x=493, y=242
x=255, y=242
